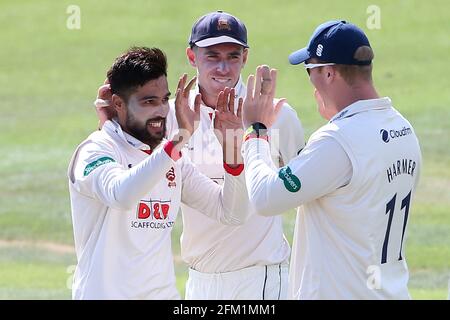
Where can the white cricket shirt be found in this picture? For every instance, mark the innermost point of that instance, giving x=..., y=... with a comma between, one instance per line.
x=354, y=181
x=211, y=247
x=124, y=205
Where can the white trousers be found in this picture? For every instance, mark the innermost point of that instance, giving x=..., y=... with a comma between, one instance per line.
x=253, y=283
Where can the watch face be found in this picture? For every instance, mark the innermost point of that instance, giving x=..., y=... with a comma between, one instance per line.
x=258, y=126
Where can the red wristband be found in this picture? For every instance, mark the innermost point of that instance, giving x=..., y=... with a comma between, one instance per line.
x=233, y=171
x=173, y=153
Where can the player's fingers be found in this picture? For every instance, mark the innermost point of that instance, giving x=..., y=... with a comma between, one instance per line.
x=265, y=72
x=250, y=87
x=197, y=102
x=189, y=86
x=220, y=101
x=273, y=77
x=177, y=98
x=181, y=82
x=258, y=80
x=266, y=80
x=231, y=100
x=104, y=97
x=239, y=109
x=226, y=96
x=104, y=92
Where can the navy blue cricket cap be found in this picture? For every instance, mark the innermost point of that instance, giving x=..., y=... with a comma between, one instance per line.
x=218, y=27
x=333, y=41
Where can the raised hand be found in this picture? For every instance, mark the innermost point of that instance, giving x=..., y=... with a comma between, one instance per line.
x=258, y=104
x=187, y=118
x=105, y=111
x=228, y=126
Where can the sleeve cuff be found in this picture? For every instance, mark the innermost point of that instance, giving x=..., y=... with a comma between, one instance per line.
x=254, y=136
x=169, y=148
x=233, y=171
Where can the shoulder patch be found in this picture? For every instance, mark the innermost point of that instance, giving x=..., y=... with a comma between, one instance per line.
x=97, y=163
x=291, y=181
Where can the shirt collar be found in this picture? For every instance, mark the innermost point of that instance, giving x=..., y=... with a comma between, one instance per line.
x=362, y=106
x=113, y=127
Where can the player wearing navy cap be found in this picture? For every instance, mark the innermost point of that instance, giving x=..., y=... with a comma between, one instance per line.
x=354, y=181
x=231, y=262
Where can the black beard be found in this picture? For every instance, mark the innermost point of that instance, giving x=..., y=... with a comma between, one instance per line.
x=142, y=134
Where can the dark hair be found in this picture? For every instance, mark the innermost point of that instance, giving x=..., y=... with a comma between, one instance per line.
x=135, y=68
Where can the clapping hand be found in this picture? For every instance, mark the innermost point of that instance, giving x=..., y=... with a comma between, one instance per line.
x=258, y=104
x=187, y=118
x=228, y=126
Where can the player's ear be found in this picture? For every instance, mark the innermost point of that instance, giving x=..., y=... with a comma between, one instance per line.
x=330, y=74
x=191, y=56
x=244, y=56
x=118, y=103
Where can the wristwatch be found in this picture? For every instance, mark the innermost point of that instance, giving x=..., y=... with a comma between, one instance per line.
x=256, y=130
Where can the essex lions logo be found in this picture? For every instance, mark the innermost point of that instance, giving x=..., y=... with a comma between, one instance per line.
x=170, y=175
x=223, y=24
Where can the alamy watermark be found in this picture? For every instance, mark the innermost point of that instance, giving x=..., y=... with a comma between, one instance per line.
x=374, y=279
x=73, y=21
x=374, y=18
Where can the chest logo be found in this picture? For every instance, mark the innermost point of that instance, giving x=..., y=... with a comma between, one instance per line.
x=170, y=175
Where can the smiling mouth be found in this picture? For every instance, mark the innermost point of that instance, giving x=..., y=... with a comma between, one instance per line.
x=157, y=123
x=221, y=80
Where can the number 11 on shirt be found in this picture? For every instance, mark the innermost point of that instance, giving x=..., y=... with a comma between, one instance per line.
x=390, y=208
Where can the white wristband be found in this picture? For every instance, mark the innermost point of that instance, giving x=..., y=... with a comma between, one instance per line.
x=101, y=103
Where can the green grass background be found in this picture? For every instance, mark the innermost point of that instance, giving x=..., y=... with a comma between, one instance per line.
x=49, y=76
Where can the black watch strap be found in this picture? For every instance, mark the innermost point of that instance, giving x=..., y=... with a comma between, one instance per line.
x=259, y=129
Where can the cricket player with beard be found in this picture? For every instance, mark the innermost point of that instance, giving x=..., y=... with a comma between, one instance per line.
x=126, y=184
x=248, y=261
x=354, y=181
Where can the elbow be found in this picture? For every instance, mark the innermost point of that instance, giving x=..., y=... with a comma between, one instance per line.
x=122, y=202
x=263, y=210
x=121, y=205
x=262, y=206
x=236, y=215
x=231, y=218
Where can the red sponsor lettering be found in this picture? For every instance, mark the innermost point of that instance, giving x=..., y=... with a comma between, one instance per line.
x=143, y=211
x=159, y=210
x=165, y=209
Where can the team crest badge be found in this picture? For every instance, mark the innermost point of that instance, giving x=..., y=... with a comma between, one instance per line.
x=222, y=24
x=170, y=175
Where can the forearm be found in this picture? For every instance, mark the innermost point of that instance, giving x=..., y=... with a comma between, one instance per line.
x=234, y=207
x=124, y=188
x=307, y=177
x=227, y=204
x=260, y=175
x=232, y=155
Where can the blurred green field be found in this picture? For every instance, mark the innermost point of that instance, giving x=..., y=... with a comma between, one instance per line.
x=49, y=76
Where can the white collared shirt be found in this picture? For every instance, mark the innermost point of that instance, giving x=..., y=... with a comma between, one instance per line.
x=210, y=247
x=354, y=182
x=124, y=206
